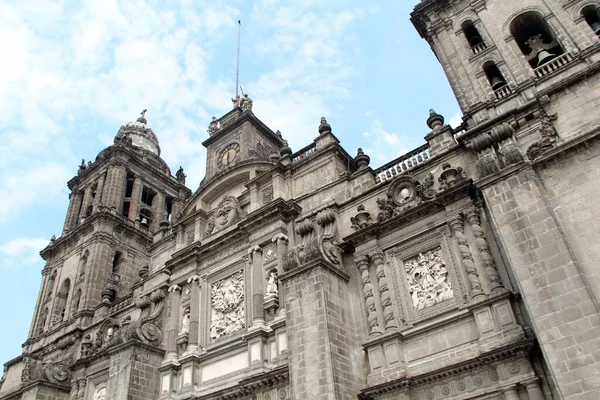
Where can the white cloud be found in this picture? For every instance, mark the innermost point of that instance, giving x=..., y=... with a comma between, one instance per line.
x=456, y=120
x=22, y=252
x=384, y=145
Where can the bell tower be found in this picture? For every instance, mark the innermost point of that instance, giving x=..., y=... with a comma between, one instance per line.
x=119, y=204
x=499, y=55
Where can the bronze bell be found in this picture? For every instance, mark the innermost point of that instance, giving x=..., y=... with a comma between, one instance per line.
x=596, y=27
x=475, y=40
x=497, y=82
x=544, y=56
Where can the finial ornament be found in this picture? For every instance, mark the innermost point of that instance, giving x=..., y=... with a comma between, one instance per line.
x=142, y=119
x=435, y=120
x=324, y=127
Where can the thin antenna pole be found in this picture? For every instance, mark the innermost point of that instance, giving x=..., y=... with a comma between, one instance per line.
x=237, y=72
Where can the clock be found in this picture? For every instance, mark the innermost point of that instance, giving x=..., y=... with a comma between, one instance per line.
x=228, y=154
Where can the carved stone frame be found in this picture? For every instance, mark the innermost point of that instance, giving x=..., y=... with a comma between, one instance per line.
x=411, y=248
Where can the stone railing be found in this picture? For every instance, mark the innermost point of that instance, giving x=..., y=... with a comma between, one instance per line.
x=502, y=92
x=553, y=65
x=403, y=164
x=304, y=153
x=479, y=47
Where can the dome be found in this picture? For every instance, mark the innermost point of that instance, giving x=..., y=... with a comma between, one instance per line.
x=141, y=136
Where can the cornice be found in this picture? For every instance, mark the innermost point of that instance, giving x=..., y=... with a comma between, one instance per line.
x=505, y=352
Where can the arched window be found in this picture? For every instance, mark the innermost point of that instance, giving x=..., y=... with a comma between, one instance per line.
x=42, y=321
x=473, y=37
x=146, y=217
x=60, y=303
x=76, y=302
x=592, y=17
x=117, y=260
x=83, y=263
x=496, y=80
x=535, y=38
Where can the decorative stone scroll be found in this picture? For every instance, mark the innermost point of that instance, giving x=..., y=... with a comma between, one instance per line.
x=227, y=306
x=404, y=192
x=148, y=327
x=55, y=368
x=427, y=278
x=491, y=160
x=227, y=213
x=322, y=245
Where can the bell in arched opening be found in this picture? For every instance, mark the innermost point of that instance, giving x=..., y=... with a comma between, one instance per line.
x=494, y=75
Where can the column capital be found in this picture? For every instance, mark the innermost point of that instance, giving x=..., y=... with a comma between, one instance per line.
x=254, y=249
x=376, y=256
x=456, y=222
x=278, y=237
x=472, y=214
x=361, y=261
x=194, y=279
x=174, y=288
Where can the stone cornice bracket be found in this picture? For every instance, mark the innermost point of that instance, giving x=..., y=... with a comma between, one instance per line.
x=495, y=149
x=174, y=288
x=193, y=279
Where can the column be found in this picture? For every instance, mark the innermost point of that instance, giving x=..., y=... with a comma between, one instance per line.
x=98, y=198
x=87, y=200
x=511, y=394
x=258, y=292
x=158, y=206
x=72, y=210
x=114, y=186
x=474, y=218
x=457, y=226
x=362, y=263
x=136, y=196
x=281, y=242
x=74, y=389
x=534, y=391
x=175, y=303
x=81, y=388
x=384, y=292
x=194, y=282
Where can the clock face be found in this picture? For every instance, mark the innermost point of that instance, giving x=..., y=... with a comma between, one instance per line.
x=228, y=154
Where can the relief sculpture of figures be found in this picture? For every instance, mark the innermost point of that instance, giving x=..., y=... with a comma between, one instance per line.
x=227, y=299
x=427, y=278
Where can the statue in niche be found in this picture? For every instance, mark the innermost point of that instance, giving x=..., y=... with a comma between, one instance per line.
x=272, y=283
x=185, y=322
x=427, y=278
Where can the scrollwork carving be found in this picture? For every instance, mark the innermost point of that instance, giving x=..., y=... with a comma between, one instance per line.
x=405, y=192
x=227, y=213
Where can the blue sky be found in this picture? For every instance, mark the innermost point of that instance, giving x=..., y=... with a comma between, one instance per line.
x=74, y=72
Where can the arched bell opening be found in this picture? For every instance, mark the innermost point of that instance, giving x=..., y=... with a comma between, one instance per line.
x=592, y=16
x=494, y=76
x=535, y=38
x=117, y=261
x=60, y=303
x=473, y=37
x=146, y=218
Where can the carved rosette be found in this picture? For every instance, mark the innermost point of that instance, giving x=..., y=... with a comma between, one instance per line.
x=457, y=226
x=362, y=263
x=384, y=293
x=227, y=302
x=227, y=213
x=427, y=278
x=474, y=218
x=404, y=192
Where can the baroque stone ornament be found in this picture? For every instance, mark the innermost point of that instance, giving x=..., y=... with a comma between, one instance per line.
x=458, y=227
x=100, y=394
x=548, y=137
x=362, y=219
x=377, y=258
x=54, y=368
x=180, y=175
x=213, y=126
x=362, y=263
x=227, y=213
x=148, y=327
x=404, y=192
x=427, y=278
x=312, y=246
x=450, y=176
x=227, y=306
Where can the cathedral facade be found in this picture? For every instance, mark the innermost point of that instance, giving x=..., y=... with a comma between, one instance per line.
x=465, y=269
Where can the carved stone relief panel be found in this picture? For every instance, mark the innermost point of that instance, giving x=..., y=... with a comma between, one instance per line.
x=426, y=277
x=227, y=306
